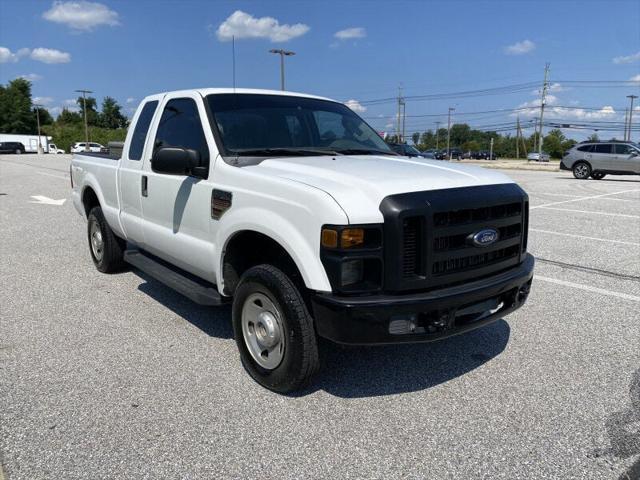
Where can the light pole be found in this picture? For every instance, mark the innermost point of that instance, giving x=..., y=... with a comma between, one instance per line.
x=282, y=54
x=40, y=151
x=451, y=109
x=630, y=97
x=86, y=127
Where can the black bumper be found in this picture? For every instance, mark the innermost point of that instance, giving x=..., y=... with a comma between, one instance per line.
x=422, y=317
x=563, y=166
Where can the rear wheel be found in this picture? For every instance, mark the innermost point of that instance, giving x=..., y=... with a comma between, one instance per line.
x=581, y=170
x=274, y=330
x=598, y=175
x=106, y=249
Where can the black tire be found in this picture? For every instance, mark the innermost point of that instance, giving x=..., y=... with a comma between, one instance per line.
x=598, y=175
x=108, y=258
x=581, y=170
x=300, y=359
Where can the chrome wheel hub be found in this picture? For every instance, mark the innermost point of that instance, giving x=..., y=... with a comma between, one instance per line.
x=97, y=243
x=262, y=330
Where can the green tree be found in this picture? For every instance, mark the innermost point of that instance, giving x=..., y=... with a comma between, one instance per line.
x=416, y=137
x=16, y=115
x=111, y=117
x=68, y=117
x=552, y=143
x=92, y=112
x=45, y=116
x=593, y=137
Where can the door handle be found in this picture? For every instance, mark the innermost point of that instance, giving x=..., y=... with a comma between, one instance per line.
x=143, y=186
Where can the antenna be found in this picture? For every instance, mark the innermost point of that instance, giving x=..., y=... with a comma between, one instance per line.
x=233, y=54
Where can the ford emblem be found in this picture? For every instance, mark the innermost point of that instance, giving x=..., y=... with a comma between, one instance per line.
x=485, y=237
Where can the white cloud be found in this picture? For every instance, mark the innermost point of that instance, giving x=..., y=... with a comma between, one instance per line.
x=554, y=87
x=520, y=48
x=32, y=77
x=50, y=55
x=355, y=106
x=635, y=78
x=55, y=111
x=81, y=15
x=634, y=57
x=131, y=100
x=7, y=55
x=244, y=25
x=43, y=100
x=350, y=33
x=70, y=102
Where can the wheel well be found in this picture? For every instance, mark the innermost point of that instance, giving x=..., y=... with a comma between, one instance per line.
x=247, y=249
x=89, y=200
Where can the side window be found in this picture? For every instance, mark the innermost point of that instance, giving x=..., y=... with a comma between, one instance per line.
x=585, y=148
x=622, y=149
x=602, y=148
x=180, y=126
x=141, y=130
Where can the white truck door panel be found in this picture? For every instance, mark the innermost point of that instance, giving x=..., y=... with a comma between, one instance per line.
x=130, y=173
x=177, y=209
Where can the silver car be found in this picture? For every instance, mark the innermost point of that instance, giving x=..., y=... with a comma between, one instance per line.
x=597, y=159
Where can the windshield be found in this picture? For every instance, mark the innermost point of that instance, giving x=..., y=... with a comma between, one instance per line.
x=277, y=125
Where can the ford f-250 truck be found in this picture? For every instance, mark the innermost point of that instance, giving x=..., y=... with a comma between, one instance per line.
x=295, y=210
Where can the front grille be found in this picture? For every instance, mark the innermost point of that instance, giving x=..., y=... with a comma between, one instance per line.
x=429, y=236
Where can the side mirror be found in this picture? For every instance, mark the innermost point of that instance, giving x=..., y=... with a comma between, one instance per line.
x=178, y=161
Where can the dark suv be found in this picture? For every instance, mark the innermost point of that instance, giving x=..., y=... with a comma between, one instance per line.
x=12, y=147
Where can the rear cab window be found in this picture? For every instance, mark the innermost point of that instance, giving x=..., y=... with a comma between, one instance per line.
x=141, y=130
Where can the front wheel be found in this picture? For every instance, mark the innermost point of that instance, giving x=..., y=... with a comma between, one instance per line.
x=598, y=175
x=274, y=330
x=581, y=170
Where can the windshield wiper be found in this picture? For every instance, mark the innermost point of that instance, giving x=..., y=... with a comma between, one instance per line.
x=366, y=151
x=281, y=151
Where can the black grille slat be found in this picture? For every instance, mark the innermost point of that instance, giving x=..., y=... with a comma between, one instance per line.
x=411, y=247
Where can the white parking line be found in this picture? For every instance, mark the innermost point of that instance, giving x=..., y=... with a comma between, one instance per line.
x=584, y=238
x=581, y=197
x=591, y=212
x=584, y=198
x=52, y=175
x=589, y=288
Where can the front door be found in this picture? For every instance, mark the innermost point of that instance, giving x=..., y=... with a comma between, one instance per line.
x=177, y=208
x=602, y=157
x=626, y=158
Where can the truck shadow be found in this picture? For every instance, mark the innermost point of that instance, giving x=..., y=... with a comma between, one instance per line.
x=354, y=372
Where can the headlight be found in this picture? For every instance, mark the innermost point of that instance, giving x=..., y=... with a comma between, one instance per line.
x=352, y=257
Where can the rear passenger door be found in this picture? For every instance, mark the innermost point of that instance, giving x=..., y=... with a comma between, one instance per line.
x=130, y=173
x=602, y=157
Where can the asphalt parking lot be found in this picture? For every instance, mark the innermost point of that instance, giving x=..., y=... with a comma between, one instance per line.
x=119, y=377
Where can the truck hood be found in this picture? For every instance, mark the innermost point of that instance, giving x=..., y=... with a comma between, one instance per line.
x=359, y=182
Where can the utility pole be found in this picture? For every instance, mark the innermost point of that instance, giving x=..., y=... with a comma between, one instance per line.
x=40, y=151
x=491, y=149
x=535, y=135
x=86, y=126
x=282, y=54
x=437, y=135
x=518, y=137
x=543, y=100
x=451, y=109
x=400, y=130
x=630, y=97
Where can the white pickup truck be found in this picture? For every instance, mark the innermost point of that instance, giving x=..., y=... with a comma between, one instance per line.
x=294, y=209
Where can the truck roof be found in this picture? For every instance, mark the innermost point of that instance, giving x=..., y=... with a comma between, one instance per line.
x=213, y=91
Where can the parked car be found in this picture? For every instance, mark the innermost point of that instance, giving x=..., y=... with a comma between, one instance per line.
x=12, y=147
x=485, y=155
x=55, y=150
x=295, y=211
x=537, y=157
x=597, y=159
x=406, y=150
x=93, y=147
x=454, y=154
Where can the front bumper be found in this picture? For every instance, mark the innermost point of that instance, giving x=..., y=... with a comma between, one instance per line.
x=422, y=317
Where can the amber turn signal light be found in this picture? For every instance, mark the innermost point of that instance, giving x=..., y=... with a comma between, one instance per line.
x=329, y=238
x=352, y=237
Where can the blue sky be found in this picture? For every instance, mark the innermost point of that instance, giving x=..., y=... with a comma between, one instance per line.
x=131, y=49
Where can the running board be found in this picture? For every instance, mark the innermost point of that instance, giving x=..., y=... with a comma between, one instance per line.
x=198, y=290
